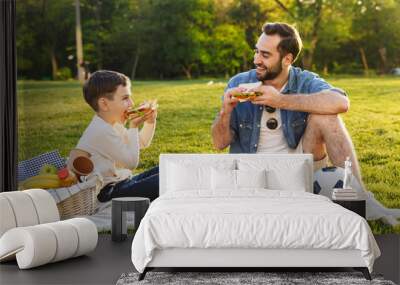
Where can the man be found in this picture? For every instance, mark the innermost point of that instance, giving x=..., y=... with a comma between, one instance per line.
x=306, y=107
x=297, y=111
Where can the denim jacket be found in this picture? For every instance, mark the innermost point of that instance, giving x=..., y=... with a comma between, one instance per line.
x=246, y=117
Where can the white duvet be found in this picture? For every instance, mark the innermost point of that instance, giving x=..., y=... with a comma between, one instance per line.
x=250, y=219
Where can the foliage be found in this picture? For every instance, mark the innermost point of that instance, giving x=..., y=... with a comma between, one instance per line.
x=64, y=73
x=175, y=34
x=228, y=50
x=45, y=29
x=175, y=38
x=376, y=28
x=249, y=15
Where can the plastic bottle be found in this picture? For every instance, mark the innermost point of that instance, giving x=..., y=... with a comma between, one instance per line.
x=347, y=174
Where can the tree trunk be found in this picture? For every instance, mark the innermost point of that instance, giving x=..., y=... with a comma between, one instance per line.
x=78, y=38
x=325, y=72
x=135, y=64
x=54, y=64
x=99, y=51
x=382, y=53
x=245, y=63
x=186, y=70
x=364, y=61
x=307, y=59
x=309, y=55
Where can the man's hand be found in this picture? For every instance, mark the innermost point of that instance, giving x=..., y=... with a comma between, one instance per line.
x=270, y=96
x=220, y=130
x=230, y=102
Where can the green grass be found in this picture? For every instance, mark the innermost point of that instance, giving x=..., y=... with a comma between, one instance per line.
x=53, y=115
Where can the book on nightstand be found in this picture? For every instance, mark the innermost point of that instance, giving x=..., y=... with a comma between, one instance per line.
x=349, y=199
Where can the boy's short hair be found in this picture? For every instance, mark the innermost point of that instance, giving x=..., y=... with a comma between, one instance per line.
x=290, y=42
x=102, y=83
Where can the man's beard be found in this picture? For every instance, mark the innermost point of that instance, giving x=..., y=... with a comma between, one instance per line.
x=270, y=73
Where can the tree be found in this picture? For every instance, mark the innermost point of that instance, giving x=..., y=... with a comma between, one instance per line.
x=174, y=34
x=250, y=15
x=171, y=38
x=54, y=37
x=334, y=37
x=97, y=26
x=47, y=28
x=311, y=16
x=112, y=34
x=79, y=49
x=229, y=51
x=376, y=32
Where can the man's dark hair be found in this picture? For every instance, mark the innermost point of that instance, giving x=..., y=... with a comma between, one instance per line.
x=290, y=38
x=103, y=83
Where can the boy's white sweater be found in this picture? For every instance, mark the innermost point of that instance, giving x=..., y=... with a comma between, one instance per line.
x=114, y=149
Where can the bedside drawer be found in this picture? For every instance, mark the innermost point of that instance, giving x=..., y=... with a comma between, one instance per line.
x=357, y=206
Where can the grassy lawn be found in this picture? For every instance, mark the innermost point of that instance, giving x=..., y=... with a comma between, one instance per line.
x=53, y=115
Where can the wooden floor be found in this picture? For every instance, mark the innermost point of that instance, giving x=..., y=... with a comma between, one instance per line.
x=110, y=260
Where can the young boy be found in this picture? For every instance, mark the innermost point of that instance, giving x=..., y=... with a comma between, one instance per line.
x=113, y=148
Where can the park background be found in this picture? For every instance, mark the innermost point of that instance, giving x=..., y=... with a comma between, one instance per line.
x=182, y=52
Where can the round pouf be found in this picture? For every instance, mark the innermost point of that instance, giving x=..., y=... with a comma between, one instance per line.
x=120, y=206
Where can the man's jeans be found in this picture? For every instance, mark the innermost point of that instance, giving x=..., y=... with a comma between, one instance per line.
x=142, y=185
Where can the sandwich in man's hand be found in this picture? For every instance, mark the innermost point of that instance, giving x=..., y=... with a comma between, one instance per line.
x=246, y=95
x=143, y=108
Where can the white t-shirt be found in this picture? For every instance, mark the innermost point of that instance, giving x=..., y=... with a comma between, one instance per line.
x=114, y=149
x=274, y=141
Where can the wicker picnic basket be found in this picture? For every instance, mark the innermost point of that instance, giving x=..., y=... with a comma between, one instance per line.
x=77, y=200
x=84, y=202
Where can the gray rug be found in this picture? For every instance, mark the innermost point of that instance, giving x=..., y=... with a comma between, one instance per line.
x=229, y=278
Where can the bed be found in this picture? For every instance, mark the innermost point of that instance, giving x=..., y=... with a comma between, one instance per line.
x=246, y=211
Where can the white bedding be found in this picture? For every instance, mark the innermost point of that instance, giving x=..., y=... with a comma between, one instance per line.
x=252, y=218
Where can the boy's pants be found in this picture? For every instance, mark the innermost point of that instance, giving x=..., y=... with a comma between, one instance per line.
x=144, y=184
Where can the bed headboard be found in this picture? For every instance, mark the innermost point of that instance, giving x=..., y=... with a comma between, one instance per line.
x=202, y=159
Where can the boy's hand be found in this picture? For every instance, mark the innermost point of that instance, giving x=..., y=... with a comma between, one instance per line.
x=150, y=116
x=135, y=120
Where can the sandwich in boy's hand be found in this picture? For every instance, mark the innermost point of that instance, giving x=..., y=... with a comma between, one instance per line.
x=143, y=108
x=246, y=95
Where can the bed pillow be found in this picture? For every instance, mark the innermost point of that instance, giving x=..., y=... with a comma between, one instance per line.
x=224, y=179
x=251, y=178
x=281, y=174
x=181, y=177
x=193, y=176
x=295, y=181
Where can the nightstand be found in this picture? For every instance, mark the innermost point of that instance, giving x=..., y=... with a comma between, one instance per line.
x=119, y=207
x=357, y=206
